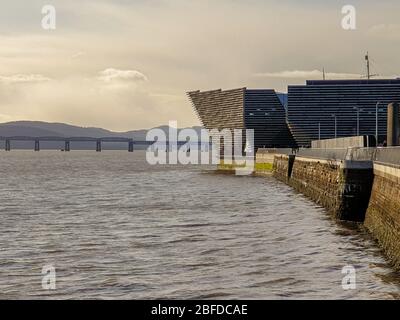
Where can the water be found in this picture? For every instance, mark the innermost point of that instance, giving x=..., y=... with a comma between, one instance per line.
x=115, y=227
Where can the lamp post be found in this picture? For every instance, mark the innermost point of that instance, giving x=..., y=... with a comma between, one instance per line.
x=334, y=115
x=319, y=130
x=358, y=119
x=376, y=123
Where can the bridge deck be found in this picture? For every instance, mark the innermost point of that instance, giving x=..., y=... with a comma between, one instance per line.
x=67, y=140
x=82, y=139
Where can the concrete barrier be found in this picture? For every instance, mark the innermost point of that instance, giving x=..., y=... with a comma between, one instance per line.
x=346, y=142
x=390, y=155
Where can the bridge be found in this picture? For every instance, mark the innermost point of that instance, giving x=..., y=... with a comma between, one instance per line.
x=67, y=141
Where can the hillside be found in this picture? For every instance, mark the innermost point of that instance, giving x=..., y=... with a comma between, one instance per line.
x=41, y=129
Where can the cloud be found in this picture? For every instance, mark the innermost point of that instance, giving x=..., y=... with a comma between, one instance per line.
x=111, y=74
x=23, y=78
x=77, y=55
x=5, y=118
x=153, y=35
x=385, y=31
x=310, y=74
x=87, y=101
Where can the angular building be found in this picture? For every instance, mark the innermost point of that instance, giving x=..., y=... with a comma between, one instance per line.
x=261, y=110
x=341, y=108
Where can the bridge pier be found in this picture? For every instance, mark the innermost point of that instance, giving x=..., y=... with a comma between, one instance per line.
x=98, y=140
x=98, y=146
x=130, y=146
x=37, y=145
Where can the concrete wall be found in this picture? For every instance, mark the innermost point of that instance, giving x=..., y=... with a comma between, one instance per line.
x=347, y=142
x=332, y=154
x=390, y=155
x=338, y=143
x=275, y=150
x=383, y=214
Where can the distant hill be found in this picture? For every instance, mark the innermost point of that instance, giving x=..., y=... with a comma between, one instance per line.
x=41, y=129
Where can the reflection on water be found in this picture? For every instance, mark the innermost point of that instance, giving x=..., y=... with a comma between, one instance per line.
x=115, y=227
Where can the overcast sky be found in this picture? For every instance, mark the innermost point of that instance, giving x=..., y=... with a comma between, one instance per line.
x=122, y=64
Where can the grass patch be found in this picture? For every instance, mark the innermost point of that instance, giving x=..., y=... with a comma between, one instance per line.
x=230, y=166
x=264, y=166
x=258, y=166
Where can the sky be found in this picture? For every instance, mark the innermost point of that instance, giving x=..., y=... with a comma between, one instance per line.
x=125, y=65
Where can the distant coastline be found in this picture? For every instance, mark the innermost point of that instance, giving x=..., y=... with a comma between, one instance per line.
x=42, y=129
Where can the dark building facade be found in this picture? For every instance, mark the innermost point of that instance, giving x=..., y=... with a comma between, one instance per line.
x=243, y=108
x=314, y=108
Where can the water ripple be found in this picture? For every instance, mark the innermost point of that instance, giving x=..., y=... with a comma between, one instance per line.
x=117, y=228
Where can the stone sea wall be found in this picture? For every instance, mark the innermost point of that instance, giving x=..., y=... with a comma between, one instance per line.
x=282, y=167
x=383, y=214
x=320, y=181
x=342, y=187
x=363, y=189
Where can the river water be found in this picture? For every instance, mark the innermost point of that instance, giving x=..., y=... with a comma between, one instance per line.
x=114, y=227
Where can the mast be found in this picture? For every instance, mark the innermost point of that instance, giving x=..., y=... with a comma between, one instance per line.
x=367, y=60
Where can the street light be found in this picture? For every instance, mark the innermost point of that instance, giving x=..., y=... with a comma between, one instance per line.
x=358, y=119
x=319, y=130
x=334, y=115
x=376, y=124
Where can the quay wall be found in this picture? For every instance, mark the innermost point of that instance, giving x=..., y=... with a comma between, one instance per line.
x=383, y=213
x=341, y=186
x=282, y=168
x=353, y=184
x=361, y=185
